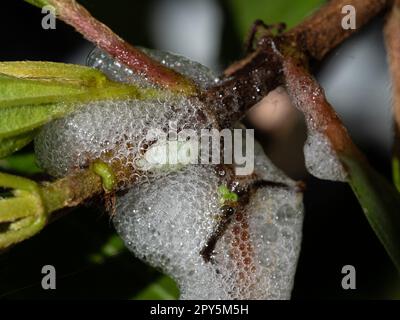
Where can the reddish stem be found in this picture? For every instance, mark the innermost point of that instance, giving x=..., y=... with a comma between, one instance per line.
x=93, y=30
x=309, y=97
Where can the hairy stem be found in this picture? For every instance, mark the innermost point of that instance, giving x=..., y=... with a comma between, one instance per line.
x=246, y=85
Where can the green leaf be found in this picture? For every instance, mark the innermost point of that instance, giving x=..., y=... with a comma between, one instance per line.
x=10, y=145
x=111, y=248
x=162, y=289
x=288, y=11
x=22, y=163
x=38, y=3
x=48, y=82
x=380, y=202
x=226, y=195
x=34, y=93
x=18, y=120
x=54, y=72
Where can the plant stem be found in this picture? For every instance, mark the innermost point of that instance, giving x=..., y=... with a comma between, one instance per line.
x=93, y=30
x=239, y=91
x=392, y=40
x=323, y=31
x=308, y=96
x=378, y=198
x=71, y=190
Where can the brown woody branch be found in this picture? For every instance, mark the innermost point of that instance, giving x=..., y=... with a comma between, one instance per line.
x=323, y=31
x=238, y=92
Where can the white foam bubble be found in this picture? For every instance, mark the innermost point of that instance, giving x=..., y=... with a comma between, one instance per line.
x=116, y=71
x=112, y=131
x=264, y=167
x=321, y=160
x=168, y=223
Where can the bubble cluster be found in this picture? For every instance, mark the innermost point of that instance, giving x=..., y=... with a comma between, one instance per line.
x=175, y=220
x=116, y=71
x=169, y=222
x=321, y=160
x=116, y=132
x=264, y=168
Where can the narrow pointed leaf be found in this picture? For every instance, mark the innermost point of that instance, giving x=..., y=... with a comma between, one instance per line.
x=38, y=3
x=20, y=119
x=380, y=202
x=24, y=163
x=163, y=288
x=10, y=145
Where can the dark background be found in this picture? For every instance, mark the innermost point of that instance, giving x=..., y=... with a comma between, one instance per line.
x=336, y=232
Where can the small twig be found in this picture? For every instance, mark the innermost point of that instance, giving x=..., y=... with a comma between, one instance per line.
x=377, y=197
x=323, y=31
x=71, y=190
x=246, y=85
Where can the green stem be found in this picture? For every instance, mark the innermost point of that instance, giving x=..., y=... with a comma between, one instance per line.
x=27, y=213
x=71, y=190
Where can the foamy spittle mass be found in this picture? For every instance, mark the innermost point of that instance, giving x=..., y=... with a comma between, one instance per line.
x=218, y=235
